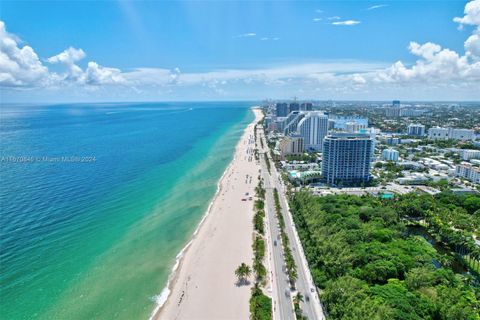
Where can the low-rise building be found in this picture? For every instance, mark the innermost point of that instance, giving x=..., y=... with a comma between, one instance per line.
x=291, y=145
x=301, y=166
x=412, y=179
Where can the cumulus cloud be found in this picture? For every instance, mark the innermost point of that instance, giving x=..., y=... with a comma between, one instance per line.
x=346, y=23
x=472, y=14
x=472, y=45
x=68, y=58
x=437, y=70
x=98, y=75
x=334, y=18
x=19, y=66
x=471, y=17
x=436, y=65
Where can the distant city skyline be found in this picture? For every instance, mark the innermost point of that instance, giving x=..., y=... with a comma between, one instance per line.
x=162, y=51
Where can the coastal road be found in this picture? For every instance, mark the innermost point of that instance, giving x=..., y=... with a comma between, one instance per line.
x=282, y=303
x=311, y=306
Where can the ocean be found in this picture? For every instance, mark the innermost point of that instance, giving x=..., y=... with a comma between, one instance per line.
x=98, y=199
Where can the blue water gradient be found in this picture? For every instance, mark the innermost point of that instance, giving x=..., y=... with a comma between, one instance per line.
x=97, y=200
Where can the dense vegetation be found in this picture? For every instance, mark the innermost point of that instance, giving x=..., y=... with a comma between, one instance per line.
x=369, y=266
x=267, y=163
x=260, y=305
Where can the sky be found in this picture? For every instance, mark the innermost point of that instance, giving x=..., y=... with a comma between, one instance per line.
x=80, y=51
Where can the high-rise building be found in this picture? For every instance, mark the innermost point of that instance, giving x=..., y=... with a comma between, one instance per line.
x=390, y=155
x=415, y=129
x=291, y=122
x=306, y=106
x=294, y=106
x=346, y=159
x=392, y=112
x=354, y=126
x=313, y=128
x=331, y=124
x=282, y=109
x=438, y=133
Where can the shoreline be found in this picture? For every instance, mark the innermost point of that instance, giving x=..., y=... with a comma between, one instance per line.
x=162, y=298
x=165, y=295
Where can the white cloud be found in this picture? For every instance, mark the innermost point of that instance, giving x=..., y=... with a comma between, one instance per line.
x=472, y=45
x=437, y=72
x=268, y=39
x=346, y=23
x=19, y=66
x=334, y=18
x=358, y=79
x=98, y=75
x=471, y=17
x=68, y=58
x=472, y=14
x=435, y=66
x=245, y=35
x=317, y=19
x=319, y=11
x=378, y=6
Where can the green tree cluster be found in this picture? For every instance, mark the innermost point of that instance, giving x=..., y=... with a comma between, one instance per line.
x=260, y=304
x=367, y=264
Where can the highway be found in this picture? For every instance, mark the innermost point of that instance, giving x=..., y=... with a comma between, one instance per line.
x=311, y=306
x=282, y=303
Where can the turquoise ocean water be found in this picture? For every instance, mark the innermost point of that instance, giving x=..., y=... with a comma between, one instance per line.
x=98, y=199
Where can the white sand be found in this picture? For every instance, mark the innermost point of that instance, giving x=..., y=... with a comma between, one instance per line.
x=204, y=285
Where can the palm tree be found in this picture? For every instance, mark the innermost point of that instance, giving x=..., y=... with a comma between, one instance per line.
x=243, y=272
x=298, y=298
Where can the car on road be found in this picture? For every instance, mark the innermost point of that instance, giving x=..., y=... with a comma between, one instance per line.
x=243, y=199
x=307, y=298
x=287, y=293
x=275, y=242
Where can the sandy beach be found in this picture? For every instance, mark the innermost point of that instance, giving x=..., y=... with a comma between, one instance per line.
x=204, y=286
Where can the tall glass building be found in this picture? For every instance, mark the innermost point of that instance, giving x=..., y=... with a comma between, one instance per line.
x=281, y=109
x=313, y=128
x=346, y=159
